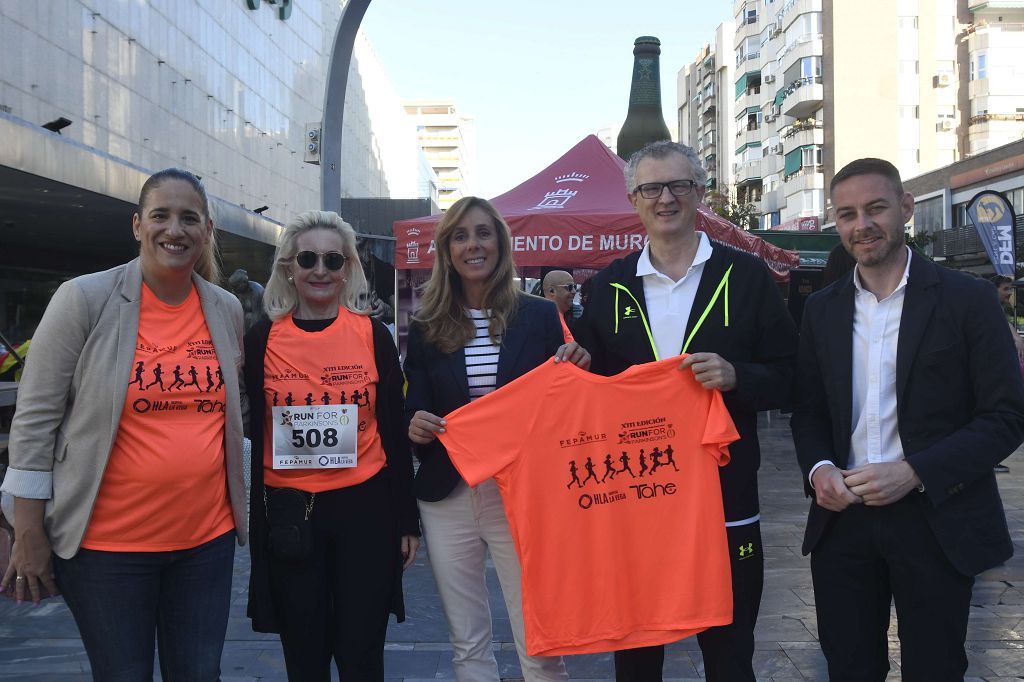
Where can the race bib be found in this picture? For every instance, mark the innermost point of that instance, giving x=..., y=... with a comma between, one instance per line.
x=315, y=436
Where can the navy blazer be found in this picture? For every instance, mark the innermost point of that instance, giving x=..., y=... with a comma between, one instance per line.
x=438, y=382
x=960, y=404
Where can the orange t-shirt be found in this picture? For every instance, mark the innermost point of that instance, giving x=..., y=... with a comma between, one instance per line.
x=165, y=485
x=611, y=489
x=335, y=366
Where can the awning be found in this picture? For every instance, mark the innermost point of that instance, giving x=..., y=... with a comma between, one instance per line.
x=741, y=84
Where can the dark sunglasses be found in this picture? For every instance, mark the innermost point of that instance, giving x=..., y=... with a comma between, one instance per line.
x=332, y=260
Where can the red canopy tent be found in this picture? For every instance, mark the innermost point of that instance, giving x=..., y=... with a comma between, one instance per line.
x=575, y=214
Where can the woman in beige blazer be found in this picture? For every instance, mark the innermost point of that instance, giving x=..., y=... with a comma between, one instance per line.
x=126, y=448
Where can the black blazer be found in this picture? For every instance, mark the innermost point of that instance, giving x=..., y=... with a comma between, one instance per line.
x=760, y=341
x=438, y=383
x=960, y=404
x=388, y=409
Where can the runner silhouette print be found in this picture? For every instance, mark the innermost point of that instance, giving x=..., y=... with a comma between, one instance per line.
x=591, y=474
x=574, y=470
x=178, y=381
x=158, y=378
x=625, y=465
x=139, y=369
x=669, y=458
x=609, y=468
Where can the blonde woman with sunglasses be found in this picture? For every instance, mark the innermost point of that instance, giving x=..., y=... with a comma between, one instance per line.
x=333, y=518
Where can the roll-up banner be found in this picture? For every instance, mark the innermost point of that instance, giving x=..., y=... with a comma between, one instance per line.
x=993, y=217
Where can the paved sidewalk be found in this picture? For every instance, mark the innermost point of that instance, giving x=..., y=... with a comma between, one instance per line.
x=43, y=644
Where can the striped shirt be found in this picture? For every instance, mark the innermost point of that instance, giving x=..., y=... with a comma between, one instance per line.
x=481, y=357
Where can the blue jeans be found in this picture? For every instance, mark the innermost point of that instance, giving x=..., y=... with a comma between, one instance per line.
x=123, y=601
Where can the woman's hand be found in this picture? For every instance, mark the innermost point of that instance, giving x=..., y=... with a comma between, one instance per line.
x=30, y=573
x=574, y=353
x=410, y=543
x=424, y=427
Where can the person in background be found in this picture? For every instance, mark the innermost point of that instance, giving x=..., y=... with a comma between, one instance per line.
x=474, y=332
x=1004, y=288
x=559, y=288
x=329, y=539
x=128, y=494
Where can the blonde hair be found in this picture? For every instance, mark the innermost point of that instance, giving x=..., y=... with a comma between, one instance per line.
x=208, y=265
x=280, y=297
x=443, y=303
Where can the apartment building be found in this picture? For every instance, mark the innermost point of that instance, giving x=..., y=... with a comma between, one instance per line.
x=818, y=83
x=448, y=139
x=706, y=105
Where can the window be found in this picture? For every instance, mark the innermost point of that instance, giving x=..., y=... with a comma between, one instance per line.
x=810, y=156
x=960, y=215
x=909, y=111
x=982, y=66
x=928, y=215
x=907, y=22
x=945, y=111
x=751, y=16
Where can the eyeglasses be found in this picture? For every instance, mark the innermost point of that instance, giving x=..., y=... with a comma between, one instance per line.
x=332, y=260
x=571, y=288
x=678, y=188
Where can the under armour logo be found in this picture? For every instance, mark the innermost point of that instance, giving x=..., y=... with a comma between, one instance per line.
x=628, y=311
x=746, y=551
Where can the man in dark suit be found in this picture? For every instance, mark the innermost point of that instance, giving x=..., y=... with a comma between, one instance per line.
x=685, y=294
x=908, y=394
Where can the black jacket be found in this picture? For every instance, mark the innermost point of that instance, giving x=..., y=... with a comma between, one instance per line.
x=438, y=383
x=396, y=449
x=760, y=342
x=960, y=404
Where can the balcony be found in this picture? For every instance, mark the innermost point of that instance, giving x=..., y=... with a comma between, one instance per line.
x=964, y=242
x=772, y=201
x=748, y=135
x=747, y=172
x=794, y=8
x=807, y=45
x=803, y=97
x=801, y=134
x=808, y=178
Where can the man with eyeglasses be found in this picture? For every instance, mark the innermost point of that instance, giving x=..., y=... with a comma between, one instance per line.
x=559, y=287
x=684, y=294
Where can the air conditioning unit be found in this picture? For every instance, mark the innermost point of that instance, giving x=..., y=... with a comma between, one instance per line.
x=942, y=80
x=769, y=78
x=945, y=125
x=769, y=118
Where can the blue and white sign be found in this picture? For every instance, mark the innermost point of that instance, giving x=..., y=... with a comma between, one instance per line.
x=993, y=217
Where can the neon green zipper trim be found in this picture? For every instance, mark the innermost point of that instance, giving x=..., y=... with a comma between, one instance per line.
x=722, y=285
x=639, y=309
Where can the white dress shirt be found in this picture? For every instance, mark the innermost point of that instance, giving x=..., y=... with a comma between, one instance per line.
x=876, y=331
x=669, y=302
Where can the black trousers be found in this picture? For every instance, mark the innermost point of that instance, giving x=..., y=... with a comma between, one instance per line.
x=870, y=557
x=335, y=603
x=728, y=650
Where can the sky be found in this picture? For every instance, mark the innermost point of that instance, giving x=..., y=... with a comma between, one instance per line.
x=537, y=75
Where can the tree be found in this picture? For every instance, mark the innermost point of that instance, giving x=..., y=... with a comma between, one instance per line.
x=724, y=201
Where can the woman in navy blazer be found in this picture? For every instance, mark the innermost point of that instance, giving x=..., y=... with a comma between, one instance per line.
x=475, y=331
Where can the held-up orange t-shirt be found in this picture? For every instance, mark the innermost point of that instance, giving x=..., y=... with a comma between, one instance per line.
x=610, y=485
x=165, y=485
x=335, y=366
